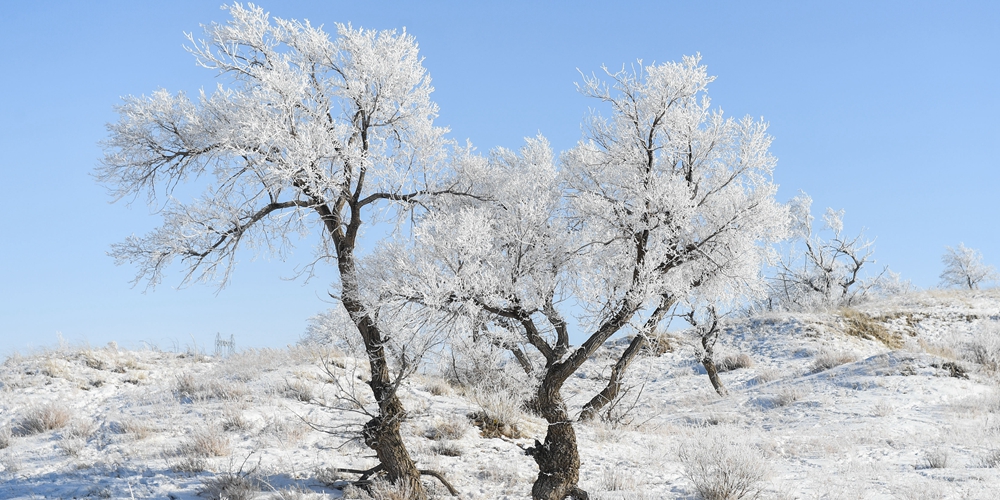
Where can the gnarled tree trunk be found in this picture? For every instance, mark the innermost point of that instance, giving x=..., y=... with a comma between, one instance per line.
x=381, y=433
x=558, y=458
x=709, y=333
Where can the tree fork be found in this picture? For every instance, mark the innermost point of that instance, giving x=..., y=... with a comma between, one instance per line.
x=611, y=391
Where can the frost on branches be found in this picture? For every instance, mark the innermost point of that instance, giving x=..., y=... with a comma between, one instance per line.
x=664, y=199
x=304, y=134
x=826, y=272
x=964, y=268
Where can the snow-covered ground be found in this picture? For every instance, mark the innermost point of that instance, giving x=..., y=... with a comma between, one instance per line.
x=822, y=412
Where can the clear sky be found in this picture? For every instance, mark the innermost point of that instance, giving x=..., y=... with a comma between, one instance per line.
x=886, y=109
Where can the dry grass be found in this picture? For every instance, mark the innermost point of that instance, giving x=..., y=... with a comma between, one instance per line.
x=500, y=413
x=190, y=465
x=5, y=437
x=936, y=459
x=733, y=362
x=232, y=420
x=826, y=359
x=883, y=409
x=990, y=459
x=765, y=375
x=867, y=327
x=190, y=387
x=299, y=390
x=132, y=426
x=786, y=396
x=38, y=419
x=207, y=442
x=448, y=429
x=230, y=487
x=615, y=479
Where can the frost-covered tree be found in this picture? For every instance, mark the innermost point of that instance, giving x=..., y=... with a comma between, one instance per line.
x=826, y=272
x=305, y=134
x=662, y=199
x=964, y=268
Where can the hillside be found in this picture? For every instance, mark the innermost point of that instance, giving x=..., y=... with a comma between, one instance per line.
x=895, y=399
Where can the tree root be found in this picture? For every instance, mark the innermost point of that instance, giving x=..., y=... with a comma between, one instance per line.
x=367, y=473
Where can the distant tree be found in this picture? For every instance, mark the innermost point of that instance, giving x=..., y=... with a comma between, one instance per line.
x=826, y=272
x=663, y=199
x=307, y=134
x=707, y=328
x=964, y=268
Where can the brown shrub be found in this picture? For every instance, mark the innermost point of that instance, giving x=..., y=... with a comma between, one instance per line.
x=867, y=327
x=38, y=419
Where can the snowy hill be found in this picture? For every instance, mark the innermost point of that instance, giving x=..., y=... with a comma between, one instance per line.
x=895, y=399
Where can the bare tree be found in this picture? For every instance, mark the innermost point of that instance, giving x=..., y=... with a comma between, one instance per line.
x=306, y=134
x=663, y=199
x=964, y=268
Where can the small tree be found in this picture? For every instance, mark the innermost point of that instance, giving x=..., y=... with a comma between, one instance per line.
x=707, y=329
x=307, y=134
x=663, y=198
x=826, y=272
x=964, y=268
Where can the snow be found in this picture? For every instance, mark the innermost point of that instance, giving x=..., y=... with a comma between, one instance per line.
x=869, y=428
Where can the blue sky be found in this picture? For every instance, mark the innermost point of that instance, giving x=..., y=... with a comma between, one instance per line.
x=886, y=109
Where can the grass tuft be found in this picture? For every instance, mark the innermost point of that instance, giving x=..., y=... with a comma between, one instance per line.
x=39, y=419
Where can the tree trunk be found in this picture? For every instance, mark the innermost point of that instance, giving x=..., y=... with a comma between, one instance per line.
x=708, y=360
x=381, y=433
x=558, y=458
x=713, y=375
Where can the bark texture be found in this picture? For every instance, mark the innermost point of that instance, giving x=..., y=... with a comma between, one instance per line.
x=558, y=458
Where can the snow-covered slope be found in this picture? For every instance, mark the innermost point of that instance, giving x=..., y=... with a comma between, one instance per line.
x=825, y=410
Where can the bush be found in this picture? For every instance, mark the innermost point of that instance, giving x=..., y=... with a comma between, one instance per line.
x=990, y=460
x=722, y=465
x=38, y=419
x=984, y=348
x=936, y=459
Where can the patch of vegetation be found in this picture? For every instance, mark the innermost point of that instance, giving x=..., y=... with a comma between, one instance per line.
x=867, y=327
